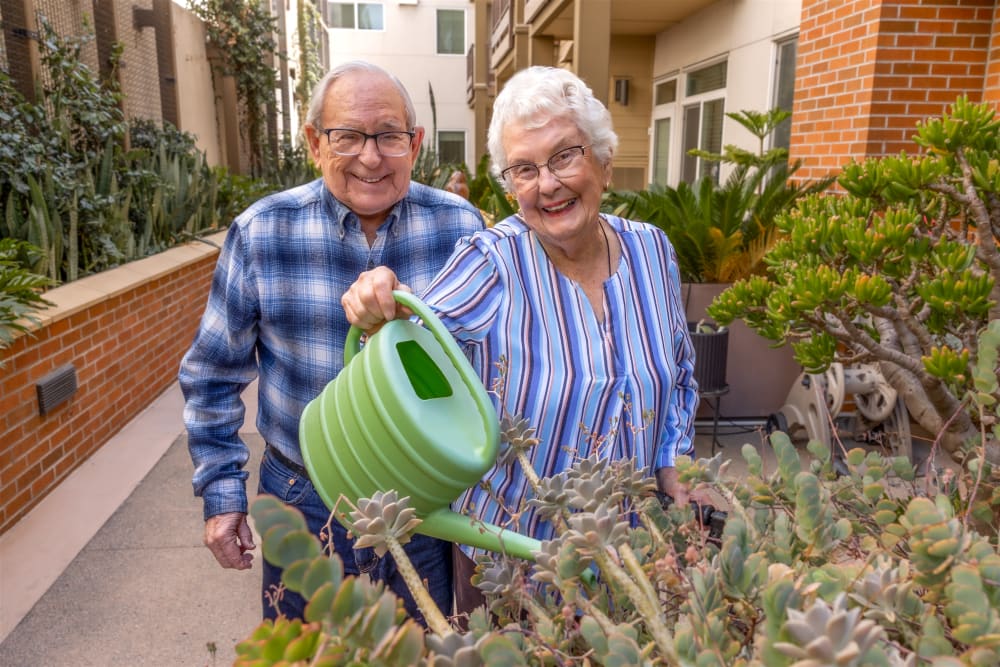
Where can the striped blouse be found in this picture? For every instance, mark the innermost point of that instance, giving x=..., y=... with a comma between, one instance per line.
x=623, y=387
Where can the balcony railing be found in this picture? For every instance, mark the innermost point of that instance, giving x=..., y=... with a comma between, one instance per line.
x=502, y=37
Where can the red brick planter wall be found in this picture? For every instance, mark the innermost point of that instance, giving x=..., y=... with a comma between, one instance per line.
x=869, y=70
x=125, y=332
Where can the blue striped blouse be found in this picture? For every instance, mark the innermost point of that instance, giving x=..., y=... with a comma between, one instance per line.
x=623, y=387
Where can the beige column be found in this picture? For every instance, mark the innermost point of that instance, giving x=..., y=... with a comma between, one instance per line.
x=542, y=50
x=480, y=80
x=592, y=44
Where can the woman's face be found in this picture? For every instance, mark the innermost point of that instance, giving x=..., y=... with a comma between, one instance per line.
x=560, y=209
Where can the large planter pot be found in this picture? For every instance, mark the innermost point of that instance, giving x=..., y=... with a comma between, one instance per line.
x=759, y=376
x=711, y=351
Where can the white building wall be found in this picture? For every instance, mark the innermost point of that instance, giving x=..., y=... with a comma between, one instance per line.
x=743, y=31
x=407, y=47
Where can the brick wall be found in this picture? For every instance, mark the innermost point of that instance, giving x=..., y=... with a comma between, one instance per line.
x=869, y=70
x=125, y=332
x=992, y=86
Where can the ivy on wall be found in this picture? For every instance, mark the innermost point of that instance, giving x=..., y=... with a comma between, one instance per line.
x=310, y=68
x=243, y=32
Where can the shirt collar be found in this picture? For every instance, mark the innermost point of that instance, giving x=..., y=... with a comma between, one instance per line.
x=344, y=218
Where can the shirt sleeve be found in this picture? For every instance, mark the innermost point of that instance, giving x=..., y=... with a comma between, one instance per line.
x=678, y=432
x=219, y=365
x=464, y=294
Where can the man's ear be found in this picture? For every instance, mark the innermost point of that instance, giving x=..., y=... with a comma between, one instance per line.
x=418, y=138
x=312, y=138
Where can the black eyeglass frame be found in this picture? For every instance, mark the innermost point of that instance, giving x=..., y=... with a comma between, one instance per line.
x=366, y=136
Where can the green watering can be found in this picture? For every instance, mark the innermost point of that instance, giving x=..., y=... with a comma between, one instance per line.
x=408, y=413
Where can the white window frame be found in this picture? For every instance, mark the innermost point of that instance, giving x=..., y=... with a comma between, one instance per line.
x=356, y=7
x=776, y=84
x=465, y=36
x=675, y=112
x=665, y=112
x=465, y=143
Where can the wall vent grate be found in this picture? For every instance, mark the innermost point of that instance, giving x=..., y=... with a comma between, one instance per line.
x=56, y=388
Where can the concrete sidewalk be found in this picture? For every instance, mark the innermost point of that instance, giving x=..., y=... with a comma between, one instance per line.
x=110, y=568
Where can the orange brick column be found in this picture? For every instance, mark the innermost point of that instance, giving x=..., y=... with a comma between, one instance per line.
x=991, y=92
x=869, y=70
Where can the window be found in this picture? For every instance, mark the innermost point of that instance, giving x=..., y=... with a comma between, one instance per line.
x=451, y=146
x=704, y=112
x=451, y=31
x=702, y=129
x=666, y=92
x=688, y=113
x=351, y=15
x=784, y=89
x=661, y=150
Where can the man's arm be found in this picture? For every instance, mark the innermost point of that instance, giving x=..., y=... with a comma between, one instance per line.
x=214, y=372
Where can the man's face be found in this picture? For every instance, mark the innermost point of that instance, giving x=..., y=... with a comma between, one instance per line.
x=368, y=183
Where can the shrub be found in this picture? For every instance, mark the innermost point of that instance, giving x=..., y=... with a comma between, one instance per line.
x=20, y=289
x=901, y=269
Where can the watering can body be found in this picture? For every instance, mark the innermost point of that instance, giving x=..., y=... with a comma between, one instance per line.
x=408, y=413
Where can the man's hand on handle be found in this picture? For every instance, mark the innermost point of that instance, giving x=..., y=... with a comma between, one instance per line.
x=229, y=538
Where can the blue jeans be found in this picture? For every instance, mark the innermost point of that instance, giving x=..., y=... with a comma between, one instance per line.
x=430, y=556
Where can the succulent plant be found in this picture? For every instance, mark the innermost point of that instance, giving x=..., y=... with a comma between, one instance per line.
x=382, y=518
x=830, y=636
x=812, y=569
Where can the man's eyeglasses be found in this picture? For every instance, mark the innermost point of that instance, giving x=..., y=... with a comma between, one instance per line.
x=563, y=163
x=348, y=142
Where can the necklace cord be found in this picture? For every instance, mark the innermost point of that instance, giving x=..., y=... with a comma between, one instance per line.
x=607, y=246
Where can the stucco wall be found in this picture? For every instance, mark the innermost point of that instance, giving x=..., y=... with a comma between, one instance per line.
x=408, y=48
x=195, y=94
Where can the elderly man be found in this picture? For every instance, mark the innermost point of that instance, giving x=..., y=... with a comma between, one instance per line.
x=274, y=311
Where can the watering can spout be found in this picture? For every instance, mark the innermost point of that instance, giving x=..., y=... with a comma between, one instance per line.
x=448, y=525
x=408, y=413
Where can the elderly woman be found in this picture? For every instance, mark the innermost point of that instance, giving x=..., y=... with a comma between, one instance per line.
x=573, y=317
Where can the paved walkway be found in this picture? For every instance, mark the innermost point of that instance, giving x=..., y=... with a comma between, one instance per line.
x=109, y=570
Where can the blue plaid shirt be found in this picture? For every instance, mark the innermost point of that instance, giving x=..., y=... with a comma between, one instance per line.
x=274, y=310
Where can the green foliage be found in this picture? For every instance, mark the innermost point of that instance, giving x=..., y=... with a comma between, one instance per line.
x=310, y=67
x=721, y=233
x=243, y=34
x=812, y=568
x=486, y=192
x=68, y=187
x=901, y=268
x=20, y=289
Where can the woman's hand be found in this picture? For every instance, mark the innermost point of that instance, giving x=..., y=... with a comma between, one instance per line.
x=668, y=483
x=368, y=303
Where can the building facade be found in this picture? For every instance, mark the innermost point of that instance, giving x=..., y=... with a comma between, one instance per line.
x=857, y=75
x=422, y=42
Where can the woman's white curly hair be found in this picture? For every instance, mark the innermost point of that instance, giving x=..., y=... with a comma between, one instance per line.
x=536, y=95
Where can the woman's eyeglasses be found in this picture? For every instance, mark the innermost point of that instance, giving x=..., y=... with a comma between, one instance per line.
x=563, y=163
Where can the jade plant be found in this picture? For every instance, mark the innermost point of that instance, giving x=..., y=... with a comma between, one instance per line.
x=901, y=268
x=869, y=565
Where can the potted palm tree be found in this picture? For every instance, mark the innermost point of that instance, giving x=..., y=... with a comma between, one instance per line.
x=721, y=233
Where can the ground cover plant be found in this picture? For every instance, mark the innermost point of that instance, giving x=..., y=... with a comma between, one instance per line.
x=877, y=566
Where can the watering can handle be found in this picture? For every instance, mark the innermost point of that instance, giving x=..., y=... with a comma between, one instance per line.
x=352, y=345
